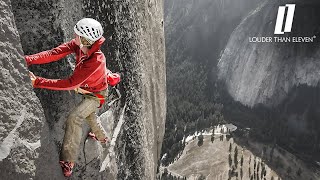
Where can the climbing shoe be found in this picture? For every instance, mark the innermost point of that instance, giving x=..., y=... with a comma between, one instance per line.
x=66, y=168
x=94, y=137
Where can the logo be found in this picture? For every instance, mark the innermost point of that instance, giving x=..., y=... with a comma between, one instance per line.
x=280, y=19
x=283, y=25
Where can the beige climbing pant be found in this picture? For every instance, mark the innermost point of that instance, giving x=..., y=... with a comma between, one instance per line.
x=73, y=132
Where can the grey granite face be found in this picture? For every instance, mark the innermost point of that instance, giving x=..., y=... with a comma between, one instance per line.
x=32, y=122
x=266, y=72
x=21, y=114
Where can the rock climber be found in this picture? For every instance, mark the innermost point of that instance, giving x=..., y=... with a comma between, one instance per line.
x=90, y=77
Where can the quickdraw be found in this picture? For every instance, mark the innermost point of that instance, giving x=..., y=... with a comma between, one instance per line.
x=116, y=99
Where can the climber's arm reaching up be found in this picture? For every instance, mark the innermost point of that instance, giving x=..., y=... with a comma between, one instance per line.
x=54, y=54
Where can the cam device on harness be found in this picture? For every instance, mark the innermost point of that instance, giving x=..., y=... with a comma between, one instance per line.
x=112, y=79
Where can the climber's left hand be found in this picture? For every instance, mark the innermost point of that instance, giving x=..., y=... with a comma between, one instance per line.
x=32, y=77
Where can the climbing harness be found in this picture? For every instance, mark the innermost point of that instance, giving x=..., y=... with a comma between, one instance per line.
x=113, y=80
x=101, y=98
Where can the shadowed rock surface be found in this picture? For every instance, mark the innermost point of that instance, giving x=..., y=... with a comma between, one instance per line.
x=134, y=48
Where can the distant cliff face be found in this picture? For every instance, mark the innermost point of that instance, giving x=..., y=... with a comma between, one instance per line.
x=196, y=34
x=134, y=47
x=264, y=73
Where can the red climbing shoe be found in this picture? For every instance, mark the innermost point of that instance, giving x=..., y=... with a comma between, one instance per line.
x=105, y=140
x=66, y=168
x=94, y=137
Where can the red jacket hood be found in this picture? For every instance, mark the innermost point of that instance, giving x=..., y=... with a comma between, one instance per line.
x=96, y=46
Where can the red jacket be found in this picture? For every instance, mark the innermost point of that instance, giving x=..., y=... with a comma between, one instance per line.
x=89, y=73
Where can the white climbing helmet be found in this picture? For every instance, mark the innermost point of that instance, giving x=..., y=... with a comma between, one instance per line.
x=89, y=28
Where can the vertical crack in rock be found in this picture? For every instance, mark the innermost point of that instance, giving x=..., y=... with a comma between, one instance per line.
x=111, y=156
x=135, y=48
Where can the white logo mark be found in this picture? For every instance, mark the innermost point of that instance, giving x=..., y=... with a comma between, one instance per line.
x=288, y=21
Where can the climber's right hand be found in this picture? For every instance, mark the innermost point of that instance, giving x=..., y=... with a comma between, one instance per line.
x=32, y=77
